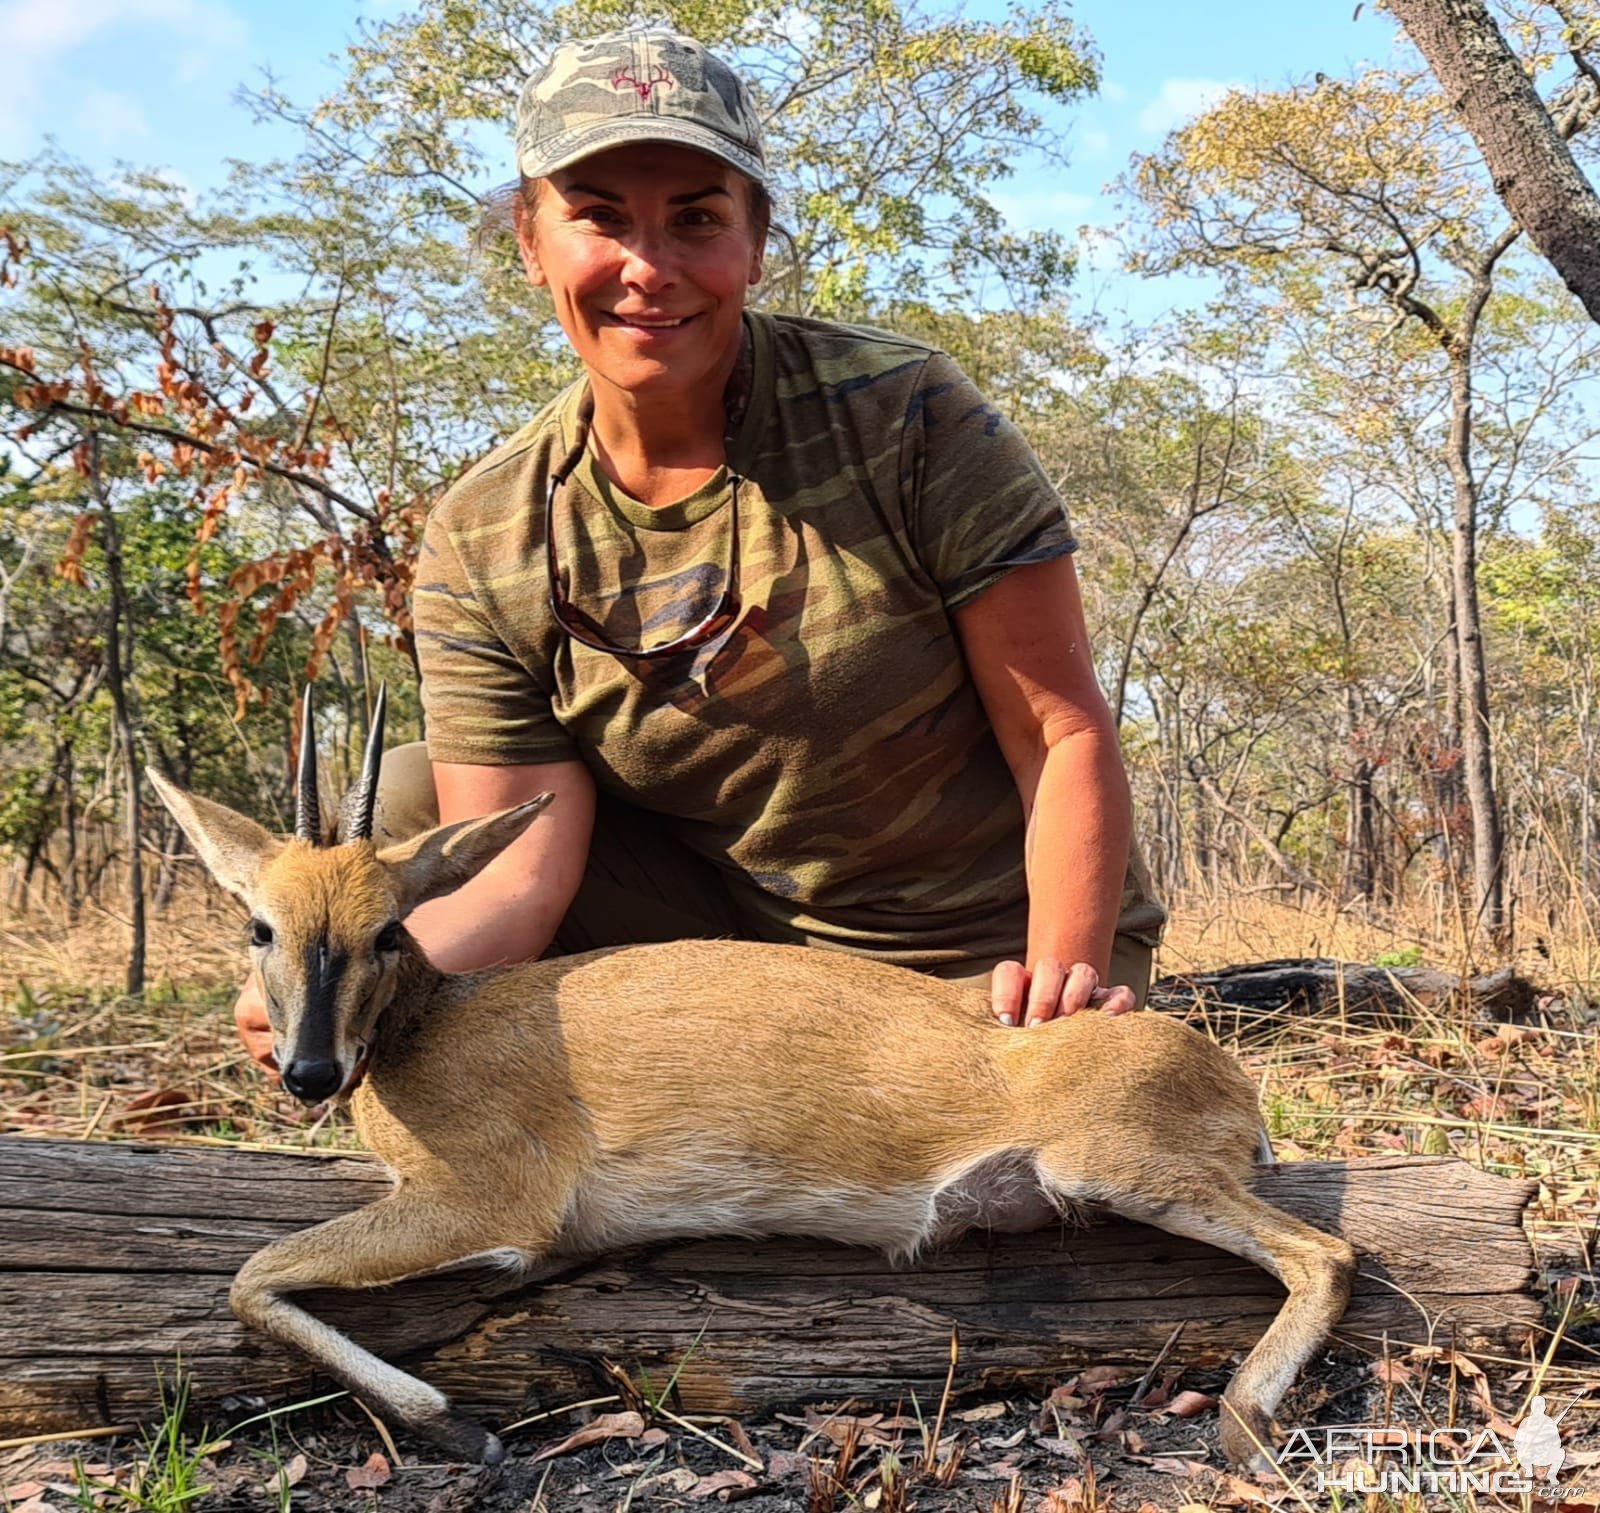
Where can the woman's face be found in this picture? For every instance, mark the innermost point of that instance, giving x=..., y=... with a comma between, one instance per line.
x=647, y=250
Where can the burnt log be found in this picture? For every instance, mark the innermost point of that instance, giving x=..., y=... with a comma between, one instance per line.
x=115, y=1260
x=1249, y=999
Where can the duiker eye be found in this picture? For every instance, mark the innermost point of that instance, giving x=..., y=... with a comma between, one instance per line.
x=260, y=933
x=388, y=937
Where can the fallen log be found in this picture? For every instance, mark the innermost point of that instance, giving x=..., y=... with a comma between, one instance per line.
x=1256, y=996
x=115, y=1259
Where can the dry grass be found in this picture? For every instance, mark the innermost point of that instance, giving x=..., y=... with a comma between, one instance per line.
x=1206, y=933
x=1523, y=1101
x=81, y=1060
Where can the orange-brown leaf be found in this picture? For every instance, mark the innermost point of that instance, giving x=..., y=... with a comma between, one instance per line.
x=606, y=1426
x=373, y=1472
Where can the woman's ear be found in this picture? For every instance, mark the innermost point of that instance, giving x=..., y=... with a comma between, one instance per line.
x=527, y=243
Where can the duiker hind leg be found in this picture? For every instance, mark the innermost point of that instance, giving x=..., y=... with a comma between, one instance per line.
x=1317, y=1268
x=405, y=1235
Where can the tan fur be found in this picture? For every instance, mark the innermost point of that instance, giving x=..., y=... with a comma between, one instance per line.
x=710, y=1087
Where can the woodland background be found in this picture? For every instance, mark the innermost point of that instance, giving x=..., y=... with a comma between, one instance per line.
x=1341, y=554
x=1341, y=527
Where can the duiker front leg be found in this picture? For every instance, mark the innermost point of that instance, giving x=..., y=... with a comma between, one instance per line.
x=404, y=1235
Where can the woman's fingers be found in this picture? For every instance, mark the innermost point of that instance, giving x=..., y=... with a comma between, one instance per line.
x=1049, y=981
x=250, y=1018
x=1117, y=1000
x=1008, y=987
x=1018, y=996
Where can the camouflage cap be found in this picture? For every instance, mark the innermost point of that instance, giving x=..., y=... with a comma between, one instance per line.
x=635, y=86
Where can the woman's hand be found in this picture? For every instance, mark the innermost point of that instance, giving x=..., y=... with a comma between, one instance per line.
x=1018, y=996
x=250, y=1016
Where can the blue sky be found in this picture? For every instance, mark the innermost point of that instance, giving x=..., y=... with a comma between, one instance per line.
x=152, y=82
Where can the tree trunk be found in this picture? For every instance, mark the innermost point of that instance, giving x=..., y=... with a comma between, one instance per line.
x=1534, y=171
x=121, y=617
x=1488, y=837
x=116, y=1258
x=168, y=839
x=1363, y=847
x=1280, y=858
x=72, y=895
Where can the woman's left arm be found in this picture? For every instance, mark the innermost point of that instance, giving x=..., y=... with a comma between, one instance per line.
x=1027, y=646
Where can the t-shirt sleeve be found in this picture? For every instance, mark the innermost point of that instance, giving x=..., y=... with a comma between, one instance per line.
x=979, y=503
x=481, y=704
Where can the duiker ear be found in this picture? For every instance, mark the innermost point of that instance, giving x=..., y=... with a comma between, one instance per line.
x=440, y=860
x=232, y=847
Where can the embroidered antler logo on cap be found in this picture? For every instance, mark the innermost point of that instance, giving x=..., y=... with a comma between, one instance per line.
x=636, y=86
x=658, y=80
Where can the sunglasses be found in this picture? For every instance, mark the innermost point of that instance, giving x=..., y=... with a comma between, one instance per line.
x=584, y=629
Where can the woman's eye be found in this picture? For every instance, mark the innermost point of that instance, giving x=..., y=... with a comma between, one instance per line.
x=260, y=933
x=388, y=937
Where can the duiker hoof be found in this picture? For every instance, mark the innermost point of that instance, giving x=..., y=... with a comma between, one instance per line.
x=1246, y=1440
x=1263, y=1468
x=465, y=1439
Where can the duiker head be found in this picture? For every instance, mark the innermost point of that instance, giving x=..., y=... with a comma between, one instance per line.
x=326, y=927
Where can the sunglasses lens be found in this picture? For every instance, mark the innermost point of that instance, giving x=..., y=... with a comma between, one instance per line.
x=581, y=628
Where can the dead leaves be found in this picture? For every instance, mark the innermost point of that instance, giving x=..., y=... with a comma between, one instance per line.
x=1393, y=1373
x=721, y=1482
x=371, y=1474
x=605, y=1426
x=982, y=1412
x=870, y=1429
x=291, y=1474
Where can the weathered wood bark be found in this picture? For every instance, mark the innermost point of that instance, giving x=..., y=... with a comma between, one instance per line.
x=1264, y=993
x=115, y=1258
x=1535, y=173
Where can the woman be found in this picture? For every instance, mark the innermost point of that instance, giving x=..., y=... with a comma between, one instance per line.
x=781, y=611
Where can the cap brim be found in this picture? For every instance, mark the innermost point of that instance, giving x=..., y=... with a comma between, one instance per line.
x=572, y=146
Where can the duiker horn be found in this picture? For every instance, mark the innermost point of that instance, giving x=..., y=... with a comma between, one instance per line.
x=307, y=811
x=361, y=801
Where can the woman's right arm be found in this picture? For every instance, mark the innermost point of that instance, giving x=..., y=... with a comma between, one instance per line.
x=511, y=910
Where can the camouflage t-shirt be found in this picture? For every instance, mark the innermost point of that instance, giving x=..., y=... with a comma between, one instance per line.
x=829, y=754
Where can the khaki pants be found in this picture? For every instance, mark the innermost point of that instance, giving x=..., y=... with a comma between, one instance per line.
x=641, y=885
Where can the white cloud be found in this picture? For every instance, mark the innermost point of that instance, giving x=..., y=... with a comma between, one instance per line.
x=1092, y=143
x=1047, y=210
x=39, y=37
x=1113, y=91
x=1181, y=100
x=801, y=28
x=111, y=118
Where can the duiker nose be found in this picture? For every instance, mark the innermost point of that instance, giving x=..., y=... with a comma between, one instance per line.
x=312, y=1081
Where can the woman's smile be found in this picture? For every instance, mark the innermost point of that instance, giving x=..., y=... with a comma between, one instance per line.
x=650, y=325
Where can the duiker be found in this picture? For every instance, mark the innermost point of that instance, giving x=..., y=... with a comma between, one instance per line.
x=562, y=1107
